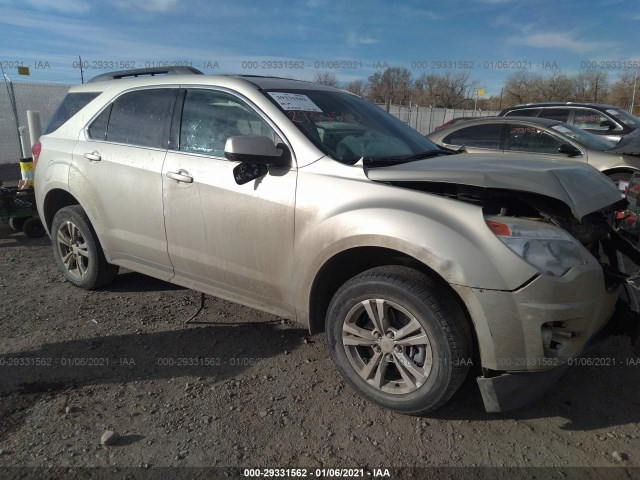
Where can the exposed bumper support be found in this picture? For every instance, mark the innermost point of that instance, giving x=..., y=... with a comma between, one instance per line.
x=514, y=390
x=508, y=391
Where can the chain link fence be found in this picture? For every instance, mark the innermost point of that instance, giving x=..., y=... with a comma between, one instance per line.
x=40, y=97
x=426, y=119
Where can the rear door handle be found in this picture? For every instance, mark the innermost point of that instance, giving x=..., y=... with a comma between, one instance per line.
x=180, y=176
x=93, y=156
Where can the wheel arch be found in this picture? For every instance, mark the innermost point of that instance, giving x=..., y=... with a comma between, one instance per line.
x=53, y=202
x=347, y=264
x=614, y=170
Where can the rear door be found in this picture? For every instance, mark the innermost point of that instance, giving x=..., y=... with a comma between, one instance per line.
x=116, y=174
x=235, y=241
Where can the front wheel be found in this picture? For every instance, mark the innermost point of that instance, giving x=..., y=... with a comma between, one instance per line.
x=398, y=339
x=77, y=250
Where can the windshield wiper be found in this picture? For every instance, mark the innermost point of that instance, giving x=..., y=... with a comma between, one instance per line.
x=430, y=153
x=417, y=156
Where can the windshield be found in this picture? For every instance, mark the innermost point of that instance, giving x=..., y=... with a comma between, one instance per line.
x=348, y=128
x=625, y=117
x=589, y=140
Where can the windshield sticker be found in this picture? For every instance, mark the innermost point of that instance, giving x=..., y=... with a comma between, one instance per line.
x=613, y=112
x=294, y=101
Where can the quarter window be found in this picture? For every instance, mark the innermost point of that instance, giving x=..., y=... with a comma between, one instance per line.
x=98, y=128
x=478, y=136
x=210, y=117
x=141, y=118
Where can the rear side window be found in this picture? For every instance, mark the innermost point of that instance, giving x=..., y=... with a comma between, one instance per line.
x=559, y=114
x=141, y=118
x=71, y=104
x=478, y=136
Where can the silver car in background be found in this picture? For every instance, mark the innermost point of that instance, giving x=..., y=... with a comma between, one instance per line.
x=310, y=203
x=531, y=137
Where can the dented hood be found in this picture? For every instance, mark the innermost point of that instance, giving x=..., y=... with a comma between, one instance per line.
x=629, y=145
x=579, y=185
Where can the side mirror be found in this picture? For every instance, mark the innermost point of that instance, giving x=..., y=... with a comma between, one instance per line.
x=254, y=149
x=570, y=150
x=608, y=124
x=257, y=153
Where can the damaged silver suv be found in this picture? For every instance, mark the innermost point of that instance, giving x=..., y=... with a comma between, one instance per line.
x=310, y=203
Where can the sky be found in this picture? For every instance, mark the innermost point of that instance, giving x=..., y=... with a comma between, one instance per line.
x=487, y=39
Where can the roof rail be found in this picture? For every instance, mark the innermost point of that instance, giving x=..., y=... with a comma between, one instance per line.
x=137, y=72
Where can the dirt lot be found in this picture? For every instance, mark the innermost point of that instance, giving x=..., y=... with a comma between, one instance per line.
x=261, y=391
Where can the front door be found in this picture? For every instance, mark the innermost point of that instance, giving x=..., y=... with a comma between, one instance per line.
x=234, y=241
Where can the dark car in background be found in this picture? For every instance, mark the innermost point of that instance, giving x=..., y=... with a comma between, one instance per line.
x=608, y=121
x=540, y=137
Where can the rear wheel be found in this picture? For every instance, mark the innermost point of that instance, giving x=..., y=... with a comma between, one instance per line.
x=77, y=250
x=16, y=223
x=398, y=339
x=33, y=228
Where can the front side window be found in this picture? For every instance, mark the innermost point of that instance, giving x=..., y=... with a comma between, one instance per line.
x=477, y=136
x=625, y=117
x=525, y=138
x=141, y=118
x=590, y=119
x=210, y=117
x=589, y=140
x=348, y=128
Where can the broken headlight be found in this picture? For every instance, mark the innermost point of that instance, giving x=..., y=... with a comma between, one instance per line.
x=545, y=246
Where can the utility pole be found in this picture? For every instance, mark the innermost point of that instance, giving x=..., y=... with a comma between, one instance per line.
x=81, y=72
x=633, y=95
x=12, y=98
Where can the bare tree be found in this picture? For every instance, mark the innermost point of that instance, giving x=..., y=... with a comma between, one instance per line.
x=325, y=78
x=521, y=87
x=622, y=90
x=425, y=89
x=393, y=85
x=590, y=86
x=556, y=87
x=453, y=90
x=358, y=87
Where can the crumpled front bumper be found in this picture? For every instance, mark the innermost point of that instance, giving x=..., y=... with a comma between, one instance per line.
x=528, y=337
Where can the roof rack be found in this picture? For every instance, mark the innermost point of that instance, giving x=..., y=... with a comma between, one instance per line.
x=138, y=72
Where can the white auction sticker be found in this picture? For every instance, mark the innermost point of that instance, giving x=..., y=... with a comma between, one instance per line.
x=294, y=101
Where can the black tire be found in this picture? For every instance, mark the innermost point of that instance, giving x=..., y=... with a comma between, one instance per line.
x=620, y=177
x=33, y=228
x=16, y=223
x=77, y=250
x=407, y=296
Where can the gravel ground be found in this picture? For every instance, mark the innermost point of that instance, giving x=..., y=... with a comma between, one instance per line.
x=246, y=389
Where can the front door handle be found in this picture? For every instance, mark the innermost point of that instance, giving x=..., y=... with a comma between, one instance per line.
x=180, y=176
x=93, y=156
